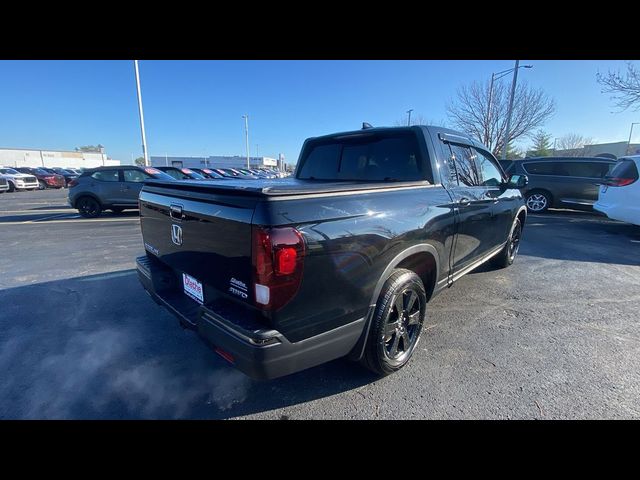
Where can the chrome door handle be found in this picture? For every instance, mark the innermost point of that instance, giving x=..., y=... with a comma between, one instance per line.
x=464, y=201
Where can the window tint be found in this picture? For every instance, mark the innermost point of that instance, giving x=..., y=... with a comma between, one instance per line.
x=321, y=162
x=490, y=173
x=569, y=169
x=133, y=175
x=374, y=158
x=539, y=168
x=106, y=175
x=466, y=169
x=582, y=169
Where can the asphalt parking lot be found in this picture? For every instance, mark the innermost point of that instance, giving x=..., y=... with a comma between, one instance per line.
x=555, y=336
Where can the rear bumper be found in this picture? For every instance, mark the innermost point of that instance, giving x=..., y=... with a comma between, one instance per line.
x=259, y=353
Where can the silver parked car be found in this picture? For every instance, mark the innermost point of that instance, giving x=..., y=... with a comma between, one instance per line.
x=110, y=188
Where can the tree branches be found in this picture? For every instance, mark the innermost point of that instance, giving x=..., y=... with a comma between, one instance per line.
x=624, y=88
x=483, y=114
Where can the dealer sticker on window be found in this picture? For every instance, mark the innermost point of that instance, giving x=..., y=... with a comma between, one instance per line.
x=193, y=288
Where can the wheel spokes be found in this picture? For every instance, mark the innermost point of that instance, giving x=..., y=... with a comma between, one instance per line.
x=410, y=301
x=394, y=347
x=414, y=318
x=389, y=330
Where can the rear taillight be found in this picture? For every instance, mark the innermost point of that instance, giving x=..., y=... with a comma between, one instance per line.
x=277, y=257
x=618, y=181
x=73, y=183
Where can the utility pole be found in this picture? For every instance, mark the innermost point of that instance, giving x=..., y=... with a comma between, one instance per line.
x=409, y=120
x=246, y=135
x=144, y=136
x=626, y=152
x=513, y=91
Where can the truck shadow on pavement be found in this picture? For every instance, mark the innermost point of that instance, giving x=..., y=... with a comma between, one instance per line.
x=97, y=347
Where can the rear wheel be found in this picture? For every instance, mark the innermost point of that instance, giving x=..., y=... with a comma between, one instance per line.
x=397, y=323
x=88, y=207
x=538, y=201
x=508, y=254
x=41, y=185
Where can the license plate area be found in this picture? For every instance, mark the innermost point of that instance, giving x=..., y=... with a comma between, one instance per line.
x=193, y=288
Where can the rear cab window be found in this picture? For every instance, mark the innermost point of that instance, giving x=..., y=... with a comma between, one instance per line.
x=372, y=157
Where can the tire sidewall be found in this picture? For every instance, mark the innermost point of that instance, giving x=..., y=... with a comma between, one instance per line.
x=395, y=284
x=89, y=215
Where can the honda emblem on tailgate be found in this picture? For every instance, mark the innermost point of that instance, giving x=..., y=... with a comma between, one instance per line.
x=176, y=234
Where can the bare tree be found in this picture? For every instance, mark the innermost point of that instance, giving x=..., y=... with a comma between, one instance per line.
x=624, y=88
x=471, y=112
x=573, y=144
x=417, y=119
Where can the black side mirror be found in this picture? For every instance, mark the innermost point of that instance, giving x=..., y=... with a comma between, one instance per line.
x=517, y=181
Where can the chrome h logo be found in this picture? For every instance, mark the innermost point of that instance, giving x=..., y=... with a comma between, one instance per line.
x=176, y=234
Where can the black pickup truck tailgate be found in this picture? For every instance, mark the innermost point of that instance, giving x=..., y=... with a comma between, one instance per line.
x=206, y=235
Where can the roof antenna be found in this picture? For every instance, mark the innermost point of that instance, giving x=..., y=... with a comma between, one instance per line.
x=366, y=125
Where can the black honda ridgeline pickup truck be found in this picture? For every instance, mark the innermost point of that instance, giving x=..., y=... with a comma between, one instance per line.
x=341, y=259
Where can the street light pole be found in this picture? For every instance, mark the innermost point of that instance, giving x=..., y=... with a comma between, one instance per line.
x=626, y=152
x=409, y=121
x=144, y=136
x=513, y=91
x=246, y=135
x=489, y=110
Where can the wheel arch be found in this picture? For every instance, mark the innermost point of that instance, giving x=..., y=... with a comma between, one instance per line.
x=411, y=258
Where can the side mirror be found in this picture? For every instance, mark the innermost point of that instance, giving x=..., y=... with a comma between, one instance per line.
x=517, y=181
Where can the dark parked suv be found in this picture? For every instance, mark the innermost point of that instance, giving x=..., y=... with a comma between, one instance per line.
x=560, y=182
x=110, y=188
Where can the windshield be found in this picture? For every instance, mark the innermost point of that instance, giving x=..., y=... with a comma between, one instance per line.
x=158, y=174
x=211, y=173
x=9, y=171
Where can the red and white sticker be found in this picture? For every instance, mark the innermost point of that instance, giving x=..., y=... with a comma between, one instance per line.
x=193, y=288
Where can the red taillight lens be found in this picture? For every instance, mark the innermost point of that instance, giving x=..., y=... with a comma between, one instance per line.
x=277, y=256
x=618, y=182
x=73, y=183
x=286, y=261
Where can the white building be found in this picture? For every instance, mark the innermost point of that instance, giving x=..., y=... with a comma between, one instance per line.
x=26, y=157
x=212, y=161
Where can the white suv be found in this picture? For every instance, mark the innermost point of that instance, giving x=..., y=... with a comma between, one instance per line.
x=17, y=180
x=619, y=196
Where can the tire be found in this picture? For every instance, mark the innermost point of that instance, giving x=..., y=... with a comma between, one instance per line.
x=42, y=185
x=117, y=210
x=402, y=292
x=88, y=207
x=538, y=201
x=12, y=187
x=508, y=254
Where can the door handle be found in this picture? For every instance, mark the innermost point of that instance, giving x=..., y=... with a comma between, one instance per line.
x=464, y=201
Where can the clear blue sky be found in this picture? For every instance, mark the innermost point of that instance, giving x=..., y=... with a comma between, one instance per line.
x=195, y=107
